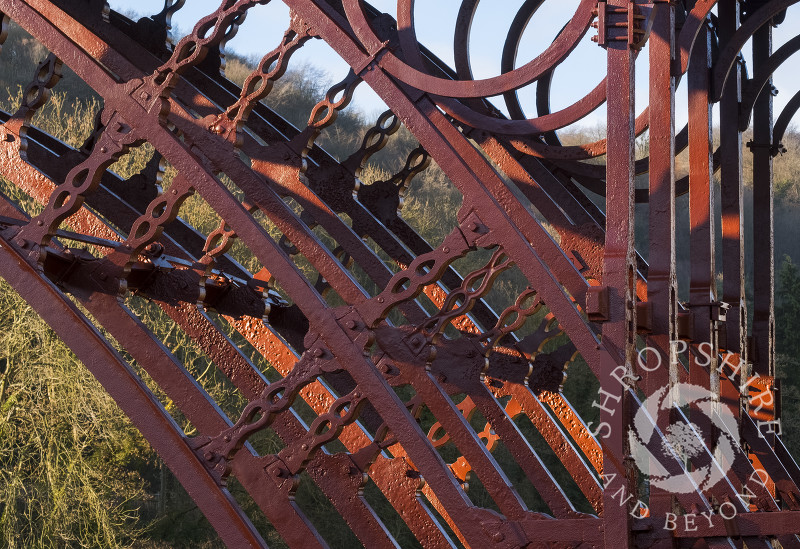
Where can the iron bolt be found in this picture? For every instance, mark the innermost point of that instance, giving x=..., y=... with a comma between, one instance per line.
x=304, y=447
x=21, y=242
x=351, y=324
x=472, y=226
x=102, y=276
x=39, y=222
x=446, y=249
x=209, y=456
x=498, y=537
x=154, y=248
x=318, y=352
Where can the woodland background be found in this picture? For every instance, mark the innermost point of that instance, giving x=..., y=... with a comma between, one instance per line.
x=74, y=472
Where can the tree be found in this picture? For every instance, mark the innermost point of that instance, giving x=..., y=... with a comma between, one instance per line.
x=788, y=310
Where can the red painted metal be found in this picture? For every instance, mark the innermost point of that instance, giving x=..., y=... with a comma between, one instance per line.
x=418, y=385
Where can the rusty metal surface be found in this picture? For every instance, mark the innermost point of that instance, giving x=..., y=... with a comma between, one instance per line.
x=410, y=381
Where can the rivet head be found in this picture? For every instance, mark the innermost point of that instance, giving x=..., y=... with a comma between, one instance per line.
x=103, y=150
x=209, y=456
x=380, y=300
x=318, y=352
x=351, y=324
x=39, y=222
x=497, y=536
x=21, y=242
x=472, y=226
x=446, y=249
x=304, y=447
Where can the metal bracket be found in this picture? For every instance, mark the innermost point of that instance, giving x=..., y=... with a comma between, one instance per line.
x=718, y=309
x=597, y=305
x=371, y=60
x=612, y=17
x=774, y=148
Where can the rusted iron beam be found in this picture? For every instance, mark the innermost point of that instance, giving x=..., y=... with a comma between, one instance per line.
x=444, y=373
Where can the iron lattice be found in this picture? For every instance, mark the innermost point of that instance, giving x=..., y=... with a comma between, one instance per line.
x=425, y=342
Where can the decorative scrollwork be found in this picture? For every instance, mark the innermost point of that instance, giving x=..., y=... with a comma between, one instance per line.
x=384, y=375
x=116, y=137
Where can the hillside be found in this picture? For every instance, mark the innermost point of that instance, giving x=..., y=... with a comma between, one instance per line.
x=73, y=470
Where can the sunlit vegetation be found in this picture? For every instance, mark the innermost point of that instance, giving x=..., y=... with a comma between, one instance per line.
x=74, y=471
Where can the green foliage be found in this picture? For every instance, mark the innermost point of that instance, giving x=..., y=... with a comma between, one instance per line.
x=70, y=461
x=74, y=472
x=788, y=371
x=787, y=343
x=788, y=310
